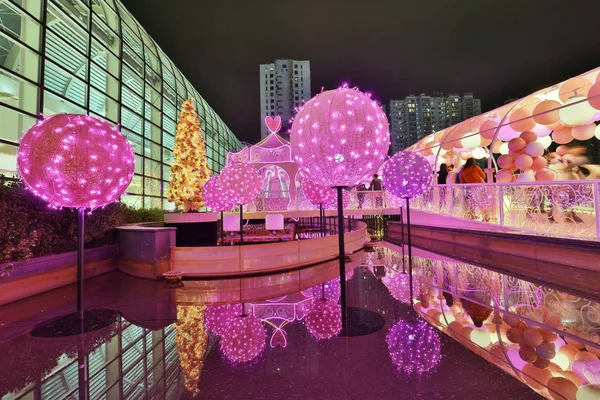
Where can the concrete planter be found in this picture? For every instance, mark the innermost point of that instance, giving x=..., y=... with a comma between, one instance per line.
x=145, y=252
x=41, y=274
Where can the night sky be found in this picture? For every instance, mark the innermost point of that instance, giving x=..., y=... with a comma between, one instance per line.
x=496, y=49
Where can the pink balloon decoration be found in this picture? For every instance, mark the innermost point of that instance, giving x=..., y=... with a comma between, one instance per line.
x=544, y=175
x=318, y=194
x=534, y=149
x=340, y=137
x=414, y=347
x=324, y=319
x=346, y=200
x=506, y=161
x=504, y=175
x=75, y=161
x=562, y=150
x=583, y=132
x=240, y=183
x=539, y=163
x=244, y=339
x=516, y=145
x=562, y=136
x=523, y=162
x=213, y=196
x=407, y=175
x=528, y=136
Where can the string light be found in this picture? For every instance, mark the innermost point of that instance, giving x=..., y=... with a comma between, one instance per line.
x=75, y=161
x=318, y=194
x=414, y=347
x=324, y=319
x=399, y=286
x=216, y=318
x=244, y=339
x=340, y=137
x=191, y=343
x=407, y=175
x=240, y=183
x=213, y=196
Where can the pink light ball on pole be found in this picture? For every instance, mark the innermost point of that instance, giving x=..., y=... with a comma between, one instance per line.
x=324, y=319
x=76, y=161
x=240, y=183
x=407, y=175
x=414, y=347
x=318, y=194
x=340, y=137
x=244, y=339
x=213, y=196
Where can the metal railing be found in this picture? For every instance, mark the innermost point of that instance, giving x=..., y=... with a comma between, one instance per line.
x=567, y=209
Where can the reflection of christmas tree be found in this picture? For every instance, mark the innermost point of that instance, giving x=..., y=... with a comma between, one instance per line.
x=191, y=342
x=189, y=170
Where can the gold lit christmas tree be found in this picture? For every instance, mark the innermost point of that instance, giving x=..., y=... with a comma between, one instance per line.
x=189, y=171
x=191, y=342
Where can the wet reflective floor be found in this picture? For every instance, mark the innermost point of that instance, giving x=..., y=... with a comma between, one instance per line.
x=285, y=341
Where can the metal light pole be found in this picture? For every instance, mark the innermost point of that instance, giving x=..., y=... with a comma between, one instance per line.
x=80, y=250
x=340, y=205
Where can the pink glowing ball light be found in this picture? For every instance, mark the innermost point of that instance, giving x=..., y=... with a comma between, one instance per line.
x=399, y=287
x=407, y=175
x=213, y=196
x=324, y=319
x=318, y=194
x=331, y=289
x=217, y=318
x=75, y=161
x=414, y=347
x=244, y=339
x=346, y=200
x=240, y=183
x=340, y=137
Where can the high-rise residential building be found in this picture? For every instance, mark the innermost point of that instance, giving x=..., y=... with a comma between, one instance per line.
x=414, y=117
x=94, y=58
x=284, y=86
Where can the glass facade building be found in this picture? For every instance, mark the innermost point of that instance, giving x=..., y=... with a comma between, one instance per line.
x=92, y=57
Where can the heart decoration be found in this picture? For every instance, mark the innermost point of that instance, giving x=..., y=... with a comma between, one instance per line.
x=273, y=124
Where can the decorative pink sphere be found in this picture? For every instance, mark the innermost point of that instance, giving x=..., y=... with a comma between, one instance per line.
x=407, y=174
x=75, y=161
x=399, y=287
x=331, y=289
x=244, y=339
x=213, y=196
x=340, y=137
x=318, y=194
x=346, y=200
x=414, y=347
x=240, y=183
x=324, y=319
x=217, y=318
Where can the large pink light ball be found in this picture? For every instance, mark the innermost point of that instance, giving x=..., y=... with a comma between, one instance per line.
x=407, y=174
x=217, y=318
x=318, y=194
x=244, y=339
x=340, y=137
x=414, y=347
x=213, y=196
x=399, y=287
x=240, y=183
x=324, y=319
x=330, y=290
x=75, y=161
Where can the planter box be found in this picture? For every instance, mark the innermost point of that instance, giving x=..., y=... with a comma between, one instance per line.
x=145, y=252
x=41, y=274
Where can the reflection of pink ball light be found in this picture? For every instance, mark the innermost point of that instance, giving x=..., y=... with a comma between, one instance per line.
x=76, y=161
x=331, y=288
x=318, y=194
x=244, y=339
x=414, y=346
x=399, y=287
x=240, y=183
x=324, y=319
x=217, y=318
x=340, y=137
x=213, y=196
x=407, y=175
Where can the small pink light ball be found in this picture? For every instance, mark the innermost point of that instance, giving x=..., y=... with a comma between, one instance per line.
x=407, y=175
x=244, y=339
x=324, y=319
x=340, y=137
x=76, y=161
x=213, y=196
x=240, y=183
x=318, y=194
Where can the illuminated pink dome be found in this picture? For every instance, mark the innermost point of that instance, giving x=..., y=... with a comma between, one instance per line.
x=240, y=183
x=414, y=347
x=75, y=161
x=217, y=318
x=407, y=175
x=244, y=339
x=213, y=196
x=340, y=137
x=318, y=194
x=324, y=319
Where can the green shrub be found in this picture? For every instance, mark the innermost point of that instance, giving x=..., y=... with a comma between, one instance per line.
x=29, y=228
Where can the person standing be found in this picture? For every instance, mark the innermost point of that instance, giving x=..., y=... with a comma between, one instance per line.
x=472, y=173
x=441, y=180
x=377, y=186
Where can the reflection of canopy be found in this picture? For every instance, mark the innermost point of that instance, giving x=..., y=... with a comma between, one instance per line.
x=559, y=108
